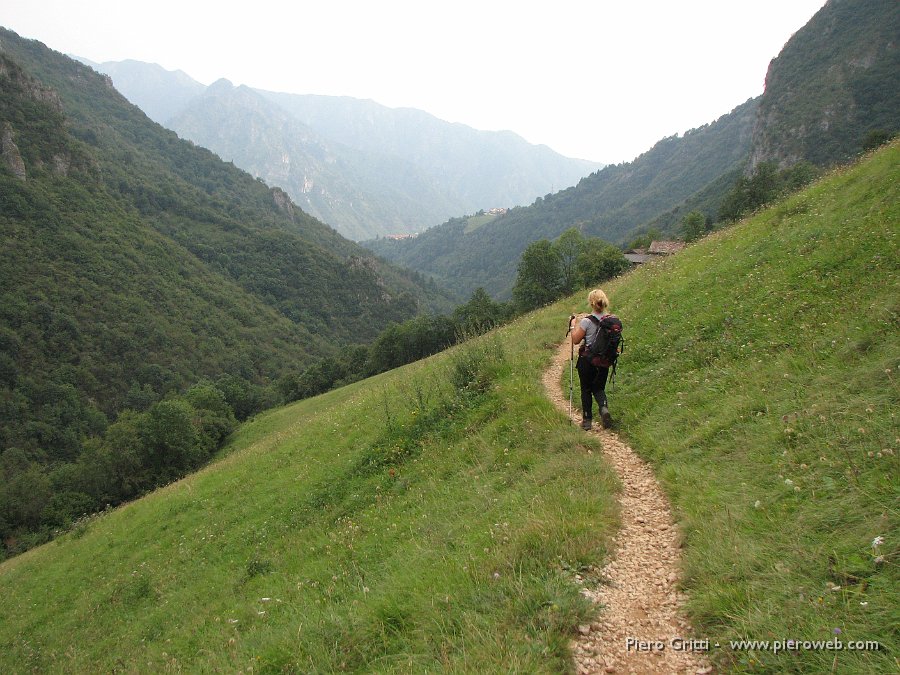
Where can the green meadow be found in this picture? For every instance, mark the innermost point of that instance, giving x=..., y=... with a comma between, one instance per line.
x=434, y=518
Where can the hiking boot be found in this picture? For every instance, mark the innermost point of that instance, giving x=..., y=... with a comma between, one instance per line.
x=605, y=417
x=586, y=424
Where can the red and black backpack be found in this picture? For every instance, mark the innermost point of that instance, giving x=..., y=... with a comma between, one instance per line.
x=608, y=343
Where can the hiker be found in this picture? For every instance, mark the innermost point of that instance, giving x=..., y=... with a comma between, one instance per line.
x=592, y=378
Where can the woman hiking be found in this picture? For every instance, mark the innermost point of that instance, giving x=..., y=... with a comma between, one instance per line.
x=592, y=377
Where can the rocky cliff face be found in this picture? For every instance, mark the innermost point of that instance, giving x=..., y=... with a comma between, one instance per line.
x=835, y=81
x=16, y=83
x=12, y=159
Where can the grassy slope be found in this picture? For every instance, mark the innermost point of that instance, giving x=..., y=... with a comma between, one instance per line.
x=762, y=366
x=375, y=517
x=460, y=559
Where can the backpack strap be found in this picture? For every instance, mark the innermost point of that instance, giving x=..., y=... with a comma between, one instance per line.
x=596, y=322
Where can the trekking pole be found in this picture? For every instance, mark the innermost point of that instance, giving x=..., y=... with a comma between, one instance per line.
x=571, y=363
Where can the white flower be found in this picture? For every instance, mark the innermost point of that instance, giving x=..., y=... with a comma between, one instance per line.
x=757, y=504
x=877, y=541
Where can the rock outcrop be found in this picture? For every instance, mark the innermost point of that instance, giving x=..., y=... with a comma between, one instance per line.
x=12, y=159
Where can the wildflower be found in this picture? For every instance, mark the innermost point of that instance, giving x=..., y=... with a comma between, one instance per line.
x=864, y=604
x=837, y=631
x=877, y=541
x=757, y=504
x=788, y=482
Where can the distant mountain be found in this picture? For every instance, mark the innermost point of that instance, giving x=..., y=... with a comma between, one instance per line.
x=482, y=169
x=611, y=203
x=331, y=181
x=835, y=81
x=363, y=168
x=133, y=263
x=160, y=93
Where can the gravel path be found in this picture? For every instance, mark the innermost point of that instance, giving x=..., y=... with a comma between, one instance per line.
x=639, y=596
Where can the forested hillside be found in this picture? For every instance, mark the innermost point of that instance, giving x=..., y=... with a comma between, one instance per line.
x=133, y=264
x=612, y=203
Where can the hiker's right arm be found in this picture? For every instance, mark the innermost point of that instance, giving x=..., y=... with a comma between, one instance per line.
x=577, y=335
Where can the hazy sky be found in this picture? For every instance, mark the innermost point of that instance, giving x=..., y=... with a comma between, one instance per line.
x=599, y=79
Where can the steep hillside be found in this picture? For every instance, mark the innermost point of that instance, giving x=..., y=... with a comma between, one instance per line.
x=836, y=81
x=133, y=264
x=76, y=135
x=611, y=203
x=434, y=518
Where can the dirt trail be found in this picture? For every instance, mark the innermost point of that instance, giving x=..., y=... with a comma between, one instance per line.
x=639, y=596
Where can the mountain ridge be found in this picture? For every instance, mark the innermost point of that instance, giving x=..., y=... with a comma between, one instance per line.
x=430, y=168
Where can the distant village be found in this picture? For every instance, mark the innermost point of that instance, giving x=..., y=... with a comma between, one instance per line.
x=489, y=212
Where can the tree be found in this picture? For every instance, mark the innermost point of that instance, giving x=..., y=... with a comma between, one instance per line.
x=599, y=261
x=568, y=246
x=213, y=417
x=170, y=438
x=765, y=186
x=750, y=193
x=538, y=280
x=693, y=226
x=478, y=315
x=875, y=138
x=25, y=496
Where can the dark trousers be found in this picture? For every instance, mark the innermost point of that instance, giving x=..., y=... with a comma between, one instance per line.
x=593, y=383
